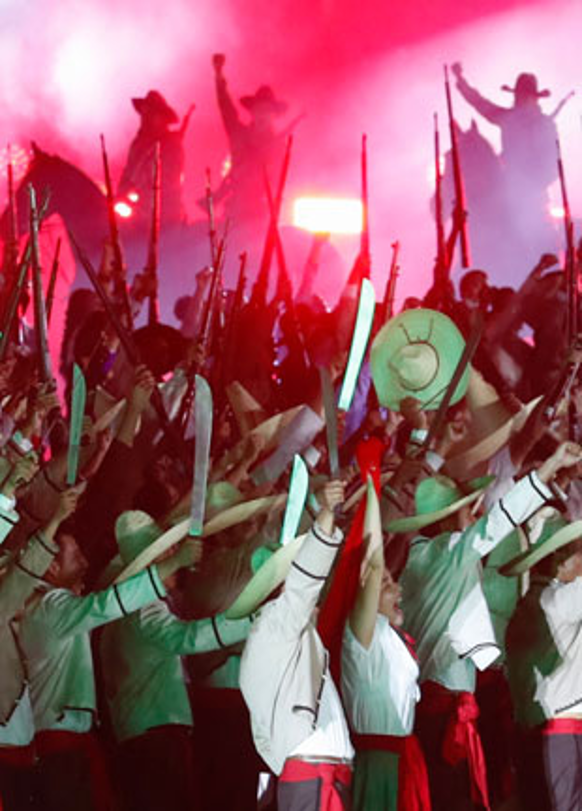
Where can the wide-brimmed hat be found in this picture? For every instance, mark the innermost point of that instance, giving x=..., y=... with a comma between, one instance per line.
x=415, y=355
x=270, y=431
x=142, y=541
x=264, y=97
x=436, y=498
x=490, y=428
x=160, y=347
x=555, y=534
x=154, y=102
x=526, y=85
x=271, y=574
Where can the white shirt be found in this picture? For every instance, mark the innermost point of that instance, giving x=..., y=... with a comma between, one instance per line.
x=331, y=737
x=379, y=684
x=19, y=731
x=559, y=692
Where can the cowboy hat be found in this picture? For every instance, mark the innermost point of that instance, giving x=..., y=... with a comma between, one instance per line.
x=142, y=541
x=491, y=426
x=555, y=534
x=436, y=498
x=415, y=355
x=526, y=85
x=154, y=102
x=264, y=97
x=268, y=577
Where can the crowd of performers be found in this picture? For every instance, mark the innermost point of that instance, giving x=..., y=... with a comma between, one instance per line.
x=292, y=557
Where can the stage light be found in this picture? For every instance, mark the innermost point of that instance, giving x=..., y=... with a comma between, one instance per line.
x=133, y=197
x=328, y=215
x=123, y=209
x=557, y=212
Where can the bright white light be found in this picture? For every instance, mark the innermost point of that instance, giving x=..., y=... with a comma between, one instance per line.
x=557, y=212
x=328, y=215
x=123, y=209
x=133, y=196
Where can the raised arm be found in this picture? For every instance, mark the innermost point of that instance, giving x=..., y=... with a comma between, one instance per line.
x=492, y=112
x=229, y=114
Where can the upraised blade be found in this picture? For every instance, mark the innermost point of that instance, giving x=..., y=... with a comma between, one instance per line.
x=76, y=425
x=203, y=423
x=360, y=337
x=331, y=420
x=298, y=491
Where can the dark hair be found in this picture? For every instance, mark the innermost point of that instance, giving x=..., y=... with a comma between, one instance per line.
x=550, y=564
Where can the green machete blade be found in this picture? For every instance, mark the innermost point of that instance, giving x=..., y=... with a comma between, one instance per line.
x=360, y=336
x=203, y=428
x=298, y=491
x=76, y=425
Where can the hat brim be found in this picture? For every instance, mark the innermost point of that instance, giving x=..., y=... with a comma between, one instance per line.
x=417, y=326
x=267, y=578
x=490, y=444
x=270, y=431
x=143, y=107
x=408, y=524
x=278, y=108
x=529, y=558
x=243, y=512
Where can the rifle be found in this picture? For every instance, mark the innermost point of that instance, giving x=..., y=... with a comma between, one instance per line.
x=231, y=332
x=570, y=255
x=460, y=210
x=40, y=315
x=211, y=215
x=121, y=290
x=259, y=294
x=151, y=269
x=365, y=233
x=388, y=306
x=10, y=259
x=53, y=281
x=442, y=268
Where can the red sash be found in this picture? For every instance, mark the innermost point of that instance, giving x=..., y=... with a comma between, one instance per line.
x=462, y=740
x=61, y=741
x=562, y=727
x=18, y=756
x=330, y=774
x=413, y=790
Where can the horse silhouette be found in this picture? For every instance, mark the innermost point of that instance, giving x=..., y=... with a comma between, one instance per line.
x=71, y=193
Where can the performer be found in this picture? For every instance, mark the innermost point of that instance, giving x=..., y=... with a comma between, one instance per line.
x=380, y=690
x=296, y=715
x=156, y=119
x=54, y=635
x=255, y=147
x=446, y=612
x=529, y=156
x=544, y=664
x=144, y=681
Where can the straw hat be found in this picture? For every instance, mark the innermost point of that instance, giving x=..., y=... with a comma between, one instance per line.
x=526, y=85
x=264, y=97
x=491, y=427
x=154, y=102
x=141, y=541
x=268, y=577
x=436, y=498
x=415, y=355
x=556, y=533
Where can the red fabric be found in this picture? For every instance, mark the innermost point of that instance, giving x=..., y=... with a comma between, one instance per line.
x=342, y=594
x=18, y=756
x=59, y=741
x=562, y=727
x=461, y=740
x=297, y=770
x=413, y=791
